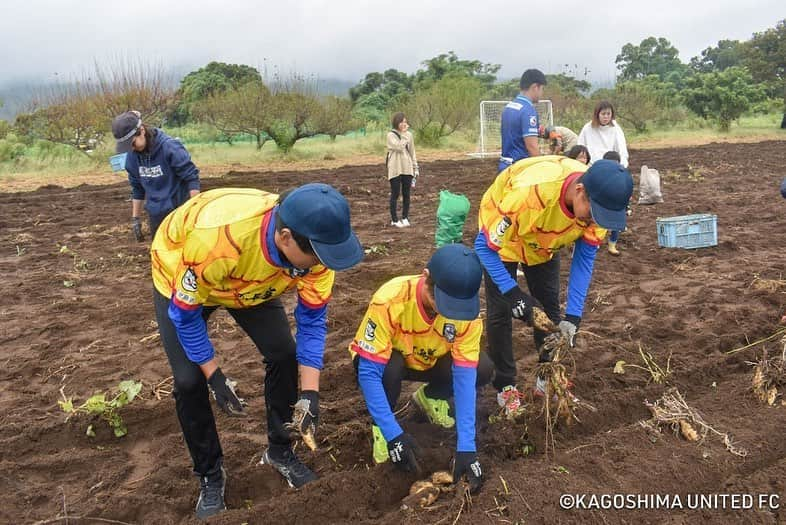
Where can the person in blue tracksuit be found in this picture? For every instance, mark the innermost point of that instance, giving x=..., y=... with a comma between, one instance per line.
x=160, y=171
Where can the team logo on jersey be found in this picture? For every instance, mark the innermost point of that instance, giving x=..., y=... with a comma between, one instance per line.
x=533, y=121
x=449, y=332
x=499, y=231
x=189, y=281
x=371, y=326
x=297, y=272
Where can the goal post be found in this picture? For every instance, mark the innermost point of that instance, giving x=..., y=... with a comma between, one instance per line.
x=490, y=140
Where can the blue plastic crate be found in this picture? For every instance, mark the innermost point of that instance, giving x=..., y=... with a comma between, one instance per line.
x=118, y=162
x=688, y=231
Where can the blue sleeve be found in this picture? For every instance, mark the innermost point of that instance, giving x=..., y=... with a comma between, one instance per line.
x=370, y=379
x=181, y=164
x=580, y=276
x=191, y=331
x=493, y=264
x=464, y=379
x=132, y=168
x=528, y=116
x=311, y=334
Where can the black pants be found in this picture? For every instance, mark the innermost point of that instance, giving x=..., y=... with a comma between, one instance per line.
x=543, y=284
x=439, y=377
x=268, y=327
x=402, y=184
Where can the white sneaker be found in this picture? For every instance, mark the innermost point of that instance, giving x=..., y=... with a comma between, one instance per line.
x=405, y=223
x=397, y=224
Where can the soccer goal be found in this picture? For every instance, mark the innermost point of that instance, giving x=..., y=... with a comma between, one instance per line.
x=490, y=140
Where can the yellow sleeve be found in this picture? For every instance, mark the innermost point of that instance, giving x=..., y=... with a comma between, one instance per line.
x=594, y=235
x=198, y=273
x=373, y=339
x=466, y=348
x=316, y=287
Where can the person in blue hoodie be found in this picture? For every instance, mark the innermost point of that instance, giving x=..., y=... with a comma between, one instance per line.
x=160, y=171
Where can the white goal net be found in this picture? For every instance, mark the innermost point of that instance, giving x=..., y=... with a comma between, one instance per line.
x=490, y=140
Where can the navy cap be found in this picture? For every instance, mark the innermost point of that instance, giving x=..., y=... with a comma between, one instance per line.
x=125, y=128
x=321, y=214
x=456, y=273
x=609, y=187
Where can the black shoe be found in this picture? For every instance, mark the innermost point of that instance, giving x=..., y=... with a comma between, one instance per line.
x=211, y=496
x=288, y=465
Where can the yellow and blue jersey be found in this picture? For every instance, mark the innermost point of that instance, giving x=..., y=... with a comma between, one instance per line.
x=396, y=321
x=523, y=217
x=218, y=249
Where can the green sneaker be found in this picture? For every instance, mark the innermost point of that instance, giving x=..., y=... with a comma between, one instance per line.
x=380, y=445
x=436, y=410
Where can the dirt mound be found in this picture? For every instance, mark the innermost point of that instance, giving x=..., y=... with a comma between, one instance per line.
x=79, y=320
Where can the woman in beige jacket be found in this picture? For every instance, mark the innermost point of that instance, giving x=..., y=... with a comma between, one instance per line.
x=402, y=167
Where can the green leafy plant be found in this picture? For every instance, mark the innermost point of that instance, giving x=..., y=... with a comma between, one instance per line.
x=98, y=405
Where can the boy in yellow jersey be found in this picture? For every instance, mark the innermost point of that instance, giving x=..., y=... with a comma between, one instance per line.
x=425, y=328
x=532, y=210
x=240, y=249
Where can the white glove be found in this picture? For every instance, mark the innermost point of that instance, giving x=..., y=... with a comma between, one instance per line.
x=568, y=331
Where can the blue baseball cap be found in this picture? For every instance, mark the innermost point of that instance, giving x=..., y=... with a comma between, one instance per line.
x=609, y=187
x=321, y=214
x=456, y=273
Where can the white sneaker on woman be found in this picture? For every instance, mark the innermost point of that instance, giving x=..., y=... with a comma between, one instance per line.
x=397, y=224
x=405, y=223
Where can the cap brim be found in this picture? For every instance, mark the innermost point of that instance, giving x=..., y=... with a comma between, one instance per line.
x=610, y=219
x=125, y=146
x=458, y=309
x=339, y=256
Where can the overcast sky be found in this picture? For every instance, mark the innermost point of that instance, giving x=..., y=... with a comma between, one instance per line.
x=346, y=39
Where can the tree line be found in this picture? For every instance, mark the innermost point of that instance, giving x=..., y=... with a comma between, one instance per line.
x=653, y=87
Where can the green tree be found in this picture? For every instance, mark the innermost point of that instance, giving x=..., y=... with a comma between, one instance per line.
x=449, y=64
x=766, y=59
x=653, y=56
x=335, y=117
x=640, y=102
x=213, y=79
x=721, y=96
x=726, y=54
x=70, y=114
x=445, y=107
x=244, y=109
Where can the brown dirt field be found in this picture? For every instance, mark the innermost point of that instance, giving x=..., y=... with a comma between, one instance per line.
x=692, y=305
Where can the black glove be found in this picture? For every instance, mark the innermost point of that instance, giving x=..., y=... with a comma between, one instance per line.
x=305, y=417
x=467, y=463
x=223, y=390
x=403, y=452
x=136, y=228
x=521, y=304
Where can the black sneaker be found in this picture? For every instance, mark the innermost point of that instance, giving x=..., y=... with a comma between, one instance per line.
x=288, y=465
x=211, y=496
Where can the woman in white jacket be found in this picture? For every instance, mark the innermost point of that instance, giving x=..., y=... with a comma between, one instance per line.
x=601, y=135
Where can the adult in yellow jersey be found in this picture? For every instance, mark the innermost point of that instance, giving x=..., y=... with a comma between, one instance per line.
x=532, y=210
x=241, y=249
x=425, y=328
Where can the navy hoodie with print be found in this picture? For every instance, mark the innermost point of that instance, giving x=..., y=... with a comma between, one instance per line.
x=162, y=175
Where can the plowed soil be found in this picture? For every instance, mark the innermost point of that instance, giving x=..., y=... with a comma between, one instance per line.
x=82, y=321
